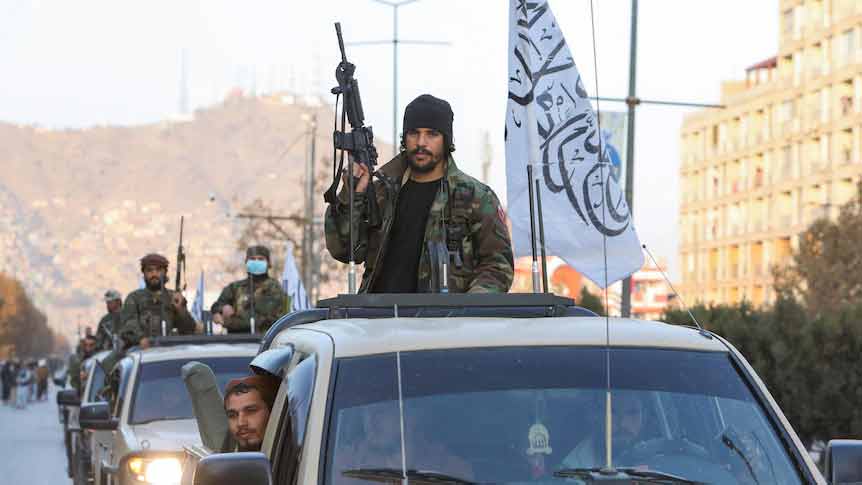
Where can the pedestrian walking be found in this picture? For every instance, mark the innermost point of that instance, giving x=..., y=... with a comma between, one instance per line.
x=24, y=380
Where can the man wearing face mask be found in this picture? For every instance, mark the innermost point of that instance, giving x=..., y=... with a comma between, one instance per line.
x=144, y=309
x=431, y=212
x=236, y=306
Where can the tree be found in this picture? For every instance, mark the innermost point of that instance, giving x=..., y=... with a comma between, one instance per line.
x=826, y=270
x=590, y=301
x=24, y=329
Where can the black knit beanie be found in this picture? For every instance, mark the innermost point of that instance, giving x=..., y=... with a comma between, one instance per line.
x=426, y=111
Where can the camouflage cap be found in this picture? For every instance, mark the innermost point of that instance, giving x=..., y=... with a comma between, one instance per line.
x=112, y=295
x=257, y=251
x=154, y=259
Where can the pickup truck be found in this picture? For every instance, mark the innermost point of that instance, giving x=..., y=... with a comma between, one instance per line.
x=508, y=388
x=138, y=433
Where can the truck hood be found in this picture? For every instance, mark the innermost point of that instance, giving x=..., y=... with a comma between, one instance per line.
x=168, y=435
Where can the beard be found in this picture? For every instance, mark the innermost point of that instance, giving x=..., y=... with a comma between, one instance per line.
x=427, y=168
x=153, y=284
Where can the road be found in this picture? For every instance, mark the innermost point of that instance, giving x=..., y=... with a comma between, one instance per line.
x=31, y=445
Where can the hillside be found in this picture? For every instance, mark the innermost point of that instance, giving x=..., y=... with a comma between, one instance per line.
x=80, y=207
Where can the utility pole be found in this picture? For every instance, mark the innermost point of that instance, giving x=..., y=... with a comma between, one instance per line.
x=395, y=41
x=632, y=101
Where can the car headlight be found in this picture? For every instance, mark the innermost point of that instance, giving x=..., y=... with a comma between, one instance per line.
x=156, y=471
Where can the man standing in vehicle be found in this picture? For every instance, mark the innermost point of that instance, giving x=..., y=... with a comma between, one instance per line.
x=431, y=212
x=110, y=322
x=248, y=402
x=236, y=305
x=76, y=362
x=145, y=308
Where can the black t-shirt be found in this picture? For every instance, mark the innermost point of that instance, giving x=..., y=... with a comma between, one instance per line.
x=398, y=273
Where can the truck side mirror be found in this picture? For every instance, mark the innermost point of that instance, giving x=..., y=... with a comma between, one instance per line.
x=68, y=397
x=245, y=468
x=843, y=462
x=97, y=415
x=272, y=361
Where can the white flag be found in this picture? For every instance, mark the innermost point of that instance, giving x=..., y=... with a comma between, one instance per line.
x=291, y=282
x=550, y=124
x=198, y=303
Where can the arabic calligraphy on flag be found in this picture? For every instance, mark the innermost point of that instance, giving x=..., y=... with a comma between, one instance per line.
x=551, y=124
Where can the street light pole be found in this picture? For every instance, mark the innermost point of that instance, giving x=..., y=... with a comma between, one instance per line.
x=395, y=41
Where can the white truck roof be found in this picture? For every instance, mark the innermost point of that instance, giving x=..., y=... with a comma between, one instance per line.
x=355, y=337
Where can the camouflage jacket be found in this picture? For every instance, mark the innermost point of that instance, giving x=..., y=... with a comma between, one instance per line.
x=76, y=362
x=141, y=316
x=105, y=330
x=270, y=303
x=475, y=218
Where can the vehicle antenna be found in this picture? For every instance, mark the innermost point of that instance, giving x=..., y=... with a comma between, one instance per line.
x=535, y=266
x=542, y=239
x=682, y=302
x=609, y=463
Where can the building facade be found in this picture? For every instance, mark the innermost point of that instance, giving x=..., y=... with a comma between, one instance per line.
x=783, y=152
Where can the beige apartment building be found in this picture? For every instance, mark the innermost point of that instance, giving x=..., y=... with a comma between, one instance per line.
x=783, y=152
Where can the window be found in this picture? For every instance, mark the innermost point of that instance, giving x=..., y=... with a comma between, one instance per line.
x=507, y=415
x=300, y=388
x=162, y=395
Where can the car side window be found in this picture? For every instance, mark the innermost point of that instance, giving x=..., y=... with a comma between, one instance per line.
x=300, y=389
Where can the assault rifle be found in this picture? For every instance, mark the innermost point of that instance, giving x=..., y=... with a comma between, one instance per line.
x=359, y=143
x=181, y=261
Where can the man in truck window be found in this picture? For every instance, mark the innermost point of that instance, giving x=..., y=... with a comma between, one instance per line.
x=248, y=402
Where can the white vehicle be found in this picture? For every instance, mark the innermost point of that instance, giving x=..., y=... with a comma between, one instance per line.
x=138, y=436
x=77, y=440
x=506, y=389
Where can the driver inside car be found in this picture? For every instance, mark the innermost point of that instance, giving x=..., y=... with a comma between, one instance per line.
x=628, y=426
x=380, y=445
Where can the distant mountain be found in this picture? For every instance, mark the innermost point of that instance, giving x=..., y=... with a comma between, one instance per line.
x=80, y=207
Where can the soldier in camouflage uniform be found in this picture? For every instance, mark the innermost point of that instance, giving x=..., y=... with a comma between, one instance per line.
x=142, y=312
x=76, y=361
x=109, y=323
x=233, y=307
x=427, y=205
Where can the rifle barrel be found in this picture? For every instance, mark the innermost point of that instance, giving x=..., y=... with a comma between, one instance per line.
x=340, y=41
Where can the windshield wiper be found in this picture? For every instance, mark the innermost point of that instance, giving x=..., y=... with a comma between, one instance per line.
x=394, y=474
x=614, y=475
x=730, y=443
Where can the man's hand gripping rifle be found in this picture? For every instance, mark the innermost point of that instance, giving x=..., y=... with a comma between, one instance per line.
x=359, y=143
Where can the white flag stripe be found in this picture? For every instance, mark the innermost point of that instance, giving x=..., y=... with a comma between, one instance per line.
x=550, y=123
x=291, y=282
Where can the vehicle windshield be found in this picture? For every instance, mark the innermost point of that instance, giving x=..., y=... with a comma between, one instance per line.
x=161, y=393
x=537, y=414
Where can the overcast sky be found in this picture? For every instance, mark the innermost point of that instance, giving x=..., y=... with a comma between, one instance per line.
x=76, y=64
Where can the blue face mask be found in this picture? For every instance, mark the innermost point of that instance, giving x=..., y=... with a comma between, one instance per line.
x=256, y=267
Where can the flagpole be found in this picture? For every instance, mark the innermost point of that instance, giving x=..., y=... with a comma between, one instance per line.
x=631, y=101
x=535, y=266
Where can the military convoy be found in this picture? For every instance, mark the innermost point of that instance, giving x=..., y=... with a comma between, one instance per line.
x=462, y=389
x=133, y=423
